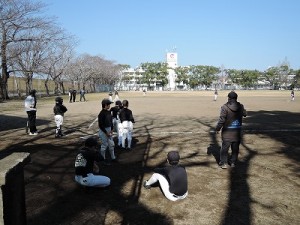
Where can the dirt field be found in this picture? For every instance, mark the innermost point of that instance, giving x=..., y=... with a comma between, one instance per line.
x=264, y=188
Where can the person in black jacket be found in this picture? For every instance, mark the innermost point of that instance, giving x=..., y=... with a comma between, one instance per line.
x=115, y=111
x=172, y=179
x=127, y=122
x=230, y=121
x=106, y=131
x=59, y=112
x=86, y=166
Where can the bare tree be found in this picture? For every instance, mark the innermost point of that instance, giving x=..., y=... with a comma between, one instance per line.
x=57, y=61
x=20, y=21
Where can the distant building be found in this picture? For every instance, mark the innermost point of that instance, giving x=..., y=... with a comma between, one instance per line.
x=172, y=64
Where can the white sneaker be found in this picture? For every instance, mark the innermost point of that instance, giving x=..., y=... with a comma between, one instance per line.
x=32, y=133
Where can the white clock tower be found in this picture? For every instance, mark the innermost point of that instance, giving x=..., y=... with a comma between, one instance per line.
x=172, y=64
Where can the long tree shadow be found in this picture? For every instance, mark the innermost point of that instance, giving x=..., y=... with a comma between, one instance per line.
x=279, y=125
x=54, y=198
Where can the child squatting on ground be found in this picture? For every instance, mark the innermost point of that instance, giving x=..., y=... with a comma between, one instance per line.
x=172, y=179
x=86, y=166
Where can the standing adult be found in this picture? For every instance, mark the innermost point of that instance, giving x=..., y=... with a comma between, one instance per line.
x=127, y=121
x=85, y=162
x=82, y=95
x=230, y=121
x=106, y=131
x=172, y=179
x=74, y=92
x=30, y=108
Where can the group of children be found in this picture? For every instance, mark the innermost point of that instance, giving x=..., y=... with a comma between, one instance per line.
x=118, y=119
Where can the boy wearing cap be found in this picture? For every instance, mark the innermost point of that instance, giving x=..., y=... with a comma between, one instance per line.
x=115, y=111
x=127, y=122
x=106, y=130
x=172, y=179
x=230, y=121
x=85, y=163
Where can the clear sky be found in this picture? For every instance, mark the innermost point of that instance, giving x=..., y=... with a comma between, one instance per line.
x=236, y=34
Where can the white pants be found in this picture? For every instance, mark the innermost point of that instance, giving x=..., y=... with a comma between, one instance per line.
x=118, y=129
x=93, y=180
x=127, y=128
x=164, y=184
x=59, y=119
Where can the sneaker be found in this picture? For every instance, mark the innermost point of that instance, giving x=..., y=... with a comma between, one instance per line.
x=128, y=149
x=146, y=186
x=32, y=133
x=223, y=166
x=232, y=165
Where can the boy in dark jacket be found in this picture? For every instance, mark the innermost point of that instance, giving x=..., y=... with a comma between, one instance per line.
x=59, y=111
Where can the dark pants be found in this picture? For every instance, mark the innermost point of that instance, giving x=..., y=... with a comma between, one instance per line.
x=235, y=147
x=82, y=97
x=31, y=121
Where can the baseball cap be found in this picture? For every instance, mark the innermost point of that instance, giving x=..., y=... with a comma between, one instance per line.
x=106, y=101
x=118, y=102
x=232, y=95
x=173, y=157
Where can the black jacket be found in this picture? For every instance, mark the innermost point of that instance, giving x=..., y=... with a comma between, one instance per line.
x=177, y=178
x=231, y=119
x=59, y=109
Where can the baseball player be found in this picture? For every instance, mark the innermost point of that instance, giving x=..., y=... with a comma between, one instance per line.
x=30, y=108
x=85, y=163
x=59, y=110
x=115, y=111
x=106, y=130
x=127, y=121
x=172, y=179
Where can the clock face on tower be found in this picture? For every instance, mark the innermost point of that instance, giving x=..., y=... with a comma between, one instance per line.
x=171, y=57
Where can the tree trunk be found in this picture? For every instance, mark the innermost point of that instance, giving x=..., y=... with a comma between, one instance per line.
x=46, y=86
x=4, y=70
x=61, y=83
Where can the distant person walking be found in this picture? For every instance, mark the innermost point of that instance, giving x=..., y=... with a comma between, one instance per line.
x=30, y=108
x=172, y=178
x=86, y=167
x=82, y=95
x=230, y=121
x=292, y=95
x=216, y=95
